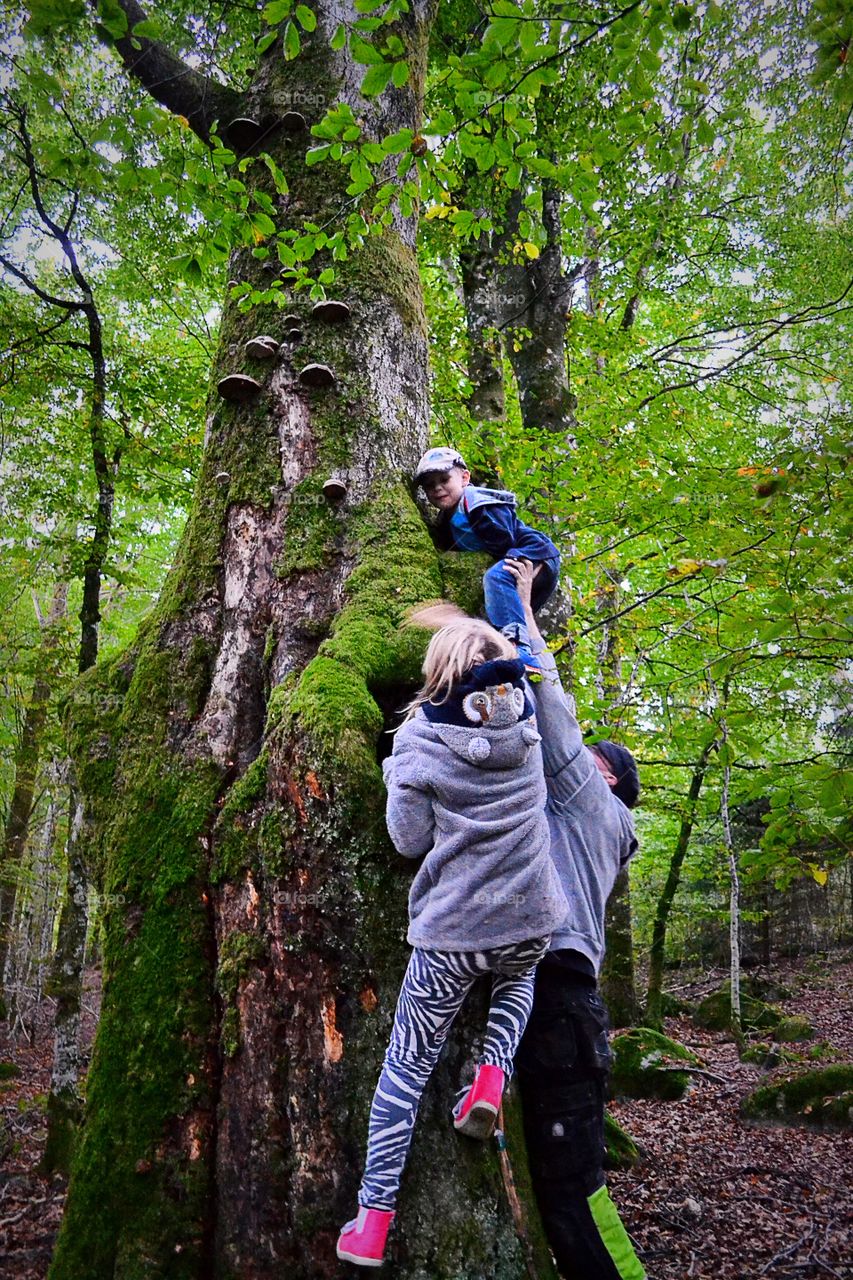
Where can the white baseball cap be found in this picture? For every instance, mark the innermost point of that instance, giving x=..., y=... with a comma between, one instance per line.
x=442, y=459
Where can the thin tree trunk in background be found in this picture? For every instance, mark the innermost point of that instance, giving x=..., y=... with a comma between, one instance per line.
x=485, y=350
x=618, y=982
x=657, y=952
x=536, y=328
x=26, y=768
x=65, y=985
x=33, y=927
x=734, y=892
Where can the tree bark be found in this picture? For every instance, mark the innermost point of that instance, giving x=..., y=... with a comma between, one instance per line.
x=654, y=996
x=536, y=327
x=485, y=349
x=26, y=767
x=254, y=913
x=618, y=981
x=65, y=984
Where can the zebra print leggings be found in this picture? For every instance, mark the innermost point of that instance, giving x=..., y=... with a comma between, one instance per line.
x=435, y=985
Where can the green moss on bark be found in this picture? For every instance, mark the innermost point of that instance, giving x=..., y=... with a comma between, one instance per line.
x=239, y=953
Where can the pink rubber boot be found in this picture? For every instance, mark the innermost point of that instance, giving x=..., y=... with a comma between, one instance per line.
x=476, y=1114
x=362, y=1241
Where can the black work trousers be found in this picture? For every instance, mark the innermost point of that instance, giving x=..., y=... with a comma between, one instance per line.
x=562, y=1068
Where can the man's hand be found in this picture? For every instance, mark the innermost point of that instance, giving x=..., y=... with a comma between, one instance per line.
x=524, y=571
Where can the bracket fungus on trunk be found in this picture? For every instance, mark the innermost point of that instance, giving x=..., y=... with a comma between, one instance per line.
x=293, y=122
x=331, y=310
x=334, y=489
x=317, y=375
x=237, y=387
x=242, y=134
x=292, y=329
x=263, y=347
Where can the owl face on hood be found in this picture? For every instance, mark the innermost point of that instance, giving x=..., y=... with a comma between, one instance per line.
x=488, y=721
x=492, y=694
x=496, y=705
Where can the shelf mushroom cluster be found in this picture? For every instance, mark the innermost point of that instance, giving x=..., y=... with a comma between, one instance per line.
x=240, y=387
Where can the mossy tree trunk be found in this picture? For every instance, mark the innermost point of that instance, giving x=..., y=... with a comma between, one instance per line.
x=254, y=912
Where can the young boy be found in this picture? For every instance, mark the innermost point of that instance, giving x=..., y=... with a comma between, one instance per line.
x=476, y=519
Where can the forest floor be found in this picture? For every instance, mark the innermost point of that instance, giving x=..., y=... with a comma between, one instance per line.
x=712, y=1198
x=716, y=1197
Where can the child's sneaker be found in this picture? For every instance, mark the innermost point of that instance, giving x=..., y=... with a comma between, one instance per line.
x=476, y=1114
x=362, y=1241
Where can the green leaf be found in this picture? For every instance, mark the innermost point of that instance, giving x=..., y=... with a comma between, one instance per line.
x=113, y=18
x=292, y=43
x=54, y=16
x=339, y=39
x=315, y=154
x=148, y=28
x=262, y=224
x=682, y=16
x=276, y=11
x=306, y=17
x=376, y=79
x=363, y=52
x=400, y=74
x=265, y=42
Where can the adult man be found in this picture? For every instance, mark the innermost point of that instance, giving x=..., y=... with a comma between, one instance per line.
x=563, y=1062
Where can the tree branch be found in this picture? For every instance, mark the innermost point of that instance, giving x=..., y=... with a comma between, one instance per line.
x=168, y=79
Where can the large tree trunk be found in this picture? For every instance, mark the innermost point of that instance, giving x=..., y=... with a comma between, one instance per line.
x=254, y=913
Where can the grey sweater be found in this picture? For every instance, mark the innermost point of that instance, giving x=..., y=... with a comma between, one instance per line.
x=471, y=801
x=592, y=831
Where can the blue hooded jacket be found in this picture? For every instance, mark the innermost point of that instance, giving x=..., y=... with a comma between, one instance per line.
x=487, y=520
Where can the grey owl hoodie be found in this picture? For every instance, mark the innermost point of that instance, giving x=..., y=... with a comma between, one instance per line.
x=470, y=798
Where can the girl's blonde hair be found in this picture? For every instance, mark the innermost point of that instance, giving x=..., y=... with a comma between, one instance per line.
x=460, y=643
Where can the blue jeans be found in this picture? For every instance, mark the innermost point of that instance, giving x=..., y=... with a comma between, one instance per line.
x=503, y=603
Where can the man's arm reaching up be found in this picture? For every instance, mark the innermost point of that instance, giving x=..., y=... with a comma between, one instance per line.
x=568, y=765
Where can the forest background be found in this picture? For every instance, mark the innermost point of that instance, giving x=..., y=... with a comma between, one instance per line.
x=634, y=253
